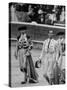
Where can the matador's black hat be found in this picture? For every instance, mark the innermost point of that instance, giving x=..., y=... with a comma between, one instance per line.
x=22, y=28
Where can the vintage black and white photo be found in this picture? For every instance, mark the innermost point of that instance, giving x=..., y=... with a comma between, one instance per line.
x=36, y=44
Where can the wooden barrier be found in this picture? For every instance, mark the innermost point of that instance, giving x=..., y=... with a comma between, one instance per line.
x=37, y=32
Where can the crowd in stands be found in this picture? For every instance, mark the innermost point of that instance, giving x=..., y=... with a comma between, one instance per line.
x=37, y=13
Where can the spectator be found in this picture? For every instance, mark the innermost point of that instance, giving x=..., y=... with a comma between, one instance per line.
x=52, y=17
x=62, y=16
x=13, y=14
x=47, y=20
x=22, y=14
x=38, y=13
x=30, y=12
x=58, y=12
x=41, y=19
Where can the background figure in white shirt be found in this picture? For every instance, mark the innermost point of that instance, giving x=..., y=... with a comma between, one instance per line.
x=59, y=67
x=48, y=55
x=61, y=50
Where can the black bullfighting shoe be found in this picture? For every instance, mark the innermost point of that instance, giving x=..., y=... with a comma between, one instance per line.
x=47, y=78
x=24, y=82
x=33, y=81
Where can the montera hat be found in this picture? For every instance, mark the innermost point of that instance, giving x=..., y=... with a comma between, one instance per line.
x=22, y=28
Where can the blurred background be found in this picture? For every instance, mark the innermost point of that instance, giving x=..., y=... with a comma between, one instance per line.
x=37, y=13
x=38, y=19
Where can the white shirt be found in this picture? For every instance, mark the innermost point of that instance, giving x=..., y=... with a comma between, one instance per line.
x=59, y=42
x=45, y=48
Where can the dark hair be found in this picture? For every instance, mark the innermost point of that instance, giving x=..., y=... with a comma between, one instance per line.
x=60, y=33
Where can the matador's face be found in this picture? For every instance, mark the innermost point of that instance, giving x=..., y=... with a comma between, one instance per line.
x=22, y=32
